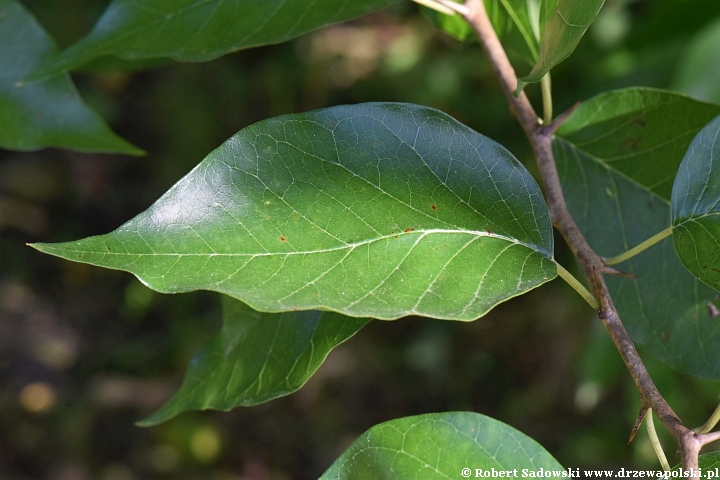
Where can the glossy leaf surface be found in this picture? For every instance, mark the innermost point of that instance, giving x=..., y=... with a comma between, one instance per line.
x=696, y=206
x=45, y=114
x=376, y=210
x=197, y=31
x=257, y=357
x=440, y=445
x=560, y=33
x=617, y=156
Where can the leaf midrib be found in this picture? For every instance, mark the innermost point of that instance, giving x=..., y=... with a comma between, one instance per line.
x=423, y=233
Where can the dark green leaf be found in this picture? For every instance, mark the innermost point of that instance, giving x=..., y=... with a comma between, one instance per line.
x=193, y=31
x=45, y=114
x=257, y=357
x=560, y=33
x=441, y=445
x=374, y=210
x=617, y=156
x=696, y=206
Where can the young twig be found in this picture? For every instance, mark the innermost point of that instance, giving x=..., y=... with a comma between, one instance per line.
x=592, y=265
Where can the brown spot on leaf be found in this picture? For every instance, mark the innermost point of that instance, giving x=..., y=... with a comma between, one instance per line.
x=639, y=121
x=631, y=143
x=489, y=231
x=433, y=206
x=408, y=230
x=79, y=256
x=282, y=238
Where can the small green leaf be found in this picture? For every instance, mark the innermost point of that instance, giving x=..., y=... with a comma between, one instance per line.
x=560, y=33
x=442, y=445
x=454, y=25
x=617, y=156
x=46, y=114
x=192, y=31
x=510, y=19
x=696, y=206
x=373, y=210
x=257, y=357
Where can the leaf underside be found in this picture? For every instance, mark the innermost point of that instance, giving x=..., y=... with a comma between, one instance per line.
x=696, y=206
x=439, y=445
x=45, y=114
x=374, y=210
x=256, y=357
x=199, y=31
x=617, y=156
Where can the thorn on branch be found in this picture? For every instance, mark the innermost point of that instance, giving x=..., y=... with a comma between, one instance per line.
x=638, y=422
x=619, y=273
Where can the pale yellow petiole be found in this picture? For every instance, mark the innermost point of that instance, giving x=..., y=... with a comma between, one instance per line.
x=436, y=6
x=546, y=87
x=656, y=441
x=578, y=287
x=640, y=248
x=710, y=424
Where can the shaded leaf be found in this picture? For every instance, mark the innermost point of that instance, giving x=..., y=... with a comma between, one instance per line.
x=560, y=33
x=617, y=156
x=257, y=357
x=440, y=445
x=375, y=210
x=45, y=114
x=198, y=31
x=696, y=206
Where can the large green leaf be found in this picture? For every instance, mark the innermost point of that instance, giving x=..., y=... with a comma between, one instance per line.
x=617, y=156
x=46, y=114
x=560, y=33
x=257, y=357
x=374, y=210
x=443, y=445
x=200, y=30
x=696, y=206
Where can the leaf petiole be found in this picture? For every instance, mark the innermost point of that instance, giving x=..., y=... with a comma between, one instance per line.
x=656, y=441
x=578, y=287
x=436, y=6
x=639, y=248
x=546, y=87
x=710, y=424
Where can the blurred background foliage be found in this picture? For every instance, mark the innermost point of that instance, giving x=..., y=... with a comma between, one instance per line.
x=85, y=352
